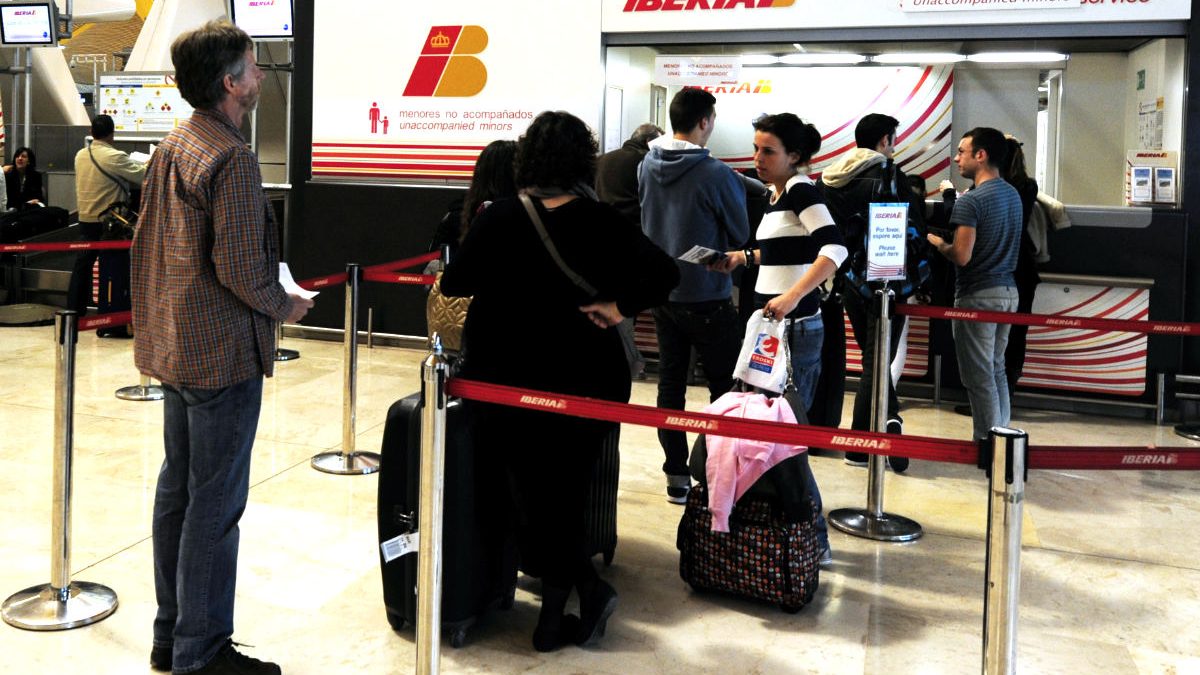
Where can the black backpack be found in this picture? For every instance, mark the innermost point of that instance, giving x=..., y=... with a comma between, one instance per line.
x=853, y=218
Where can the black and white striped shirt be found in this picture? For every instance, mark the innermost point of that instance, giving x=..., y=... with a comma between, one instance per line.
x=795, y=229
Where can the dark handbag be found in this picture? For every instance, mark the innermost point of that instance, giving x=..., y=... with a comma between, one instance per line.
x=631, y=355
x=118, y=222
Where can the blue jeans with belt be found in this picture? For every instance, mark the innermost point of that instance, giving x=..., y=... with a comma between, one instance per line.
x=805, y=338
x=201, y=494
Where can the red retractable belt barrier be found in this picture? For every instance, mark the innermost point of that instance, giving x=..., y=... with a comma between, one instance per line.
x=66, y=246
x=916, y=447
x=400, y=278
x=1115, y=458
x=1116, y=325
x=105, y=321
x=374, y=270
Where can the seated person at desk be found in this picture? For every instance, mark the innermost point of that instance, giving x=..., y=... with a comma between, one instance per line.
x=22, y=180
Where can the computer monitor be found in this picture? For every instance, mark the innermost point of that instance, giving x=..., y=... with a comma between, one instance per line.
x=264, y=19
x=28, y=24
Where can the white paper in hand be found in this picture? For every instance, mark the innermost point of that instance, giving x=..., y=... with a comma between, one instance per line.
x=289, y=284
x=701, y=255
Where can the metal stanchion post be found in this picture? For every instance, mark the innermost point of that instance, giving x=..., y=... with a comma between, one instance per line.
x=61, y=604
x=282, y=354
x=347, y=461
x=433, y=478
x=872, y=522
x=144, y=391
x=1006, y=499
x=937, y=380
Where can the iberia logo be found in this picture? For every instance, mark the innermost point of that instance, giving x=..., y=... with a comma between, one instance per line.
x=688, y=5
x=447, y=65
x=766, y=347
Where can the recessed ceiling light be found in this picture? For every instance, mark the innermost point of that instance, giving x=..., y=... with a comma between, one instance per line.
x=918, y=57
x=810, y=59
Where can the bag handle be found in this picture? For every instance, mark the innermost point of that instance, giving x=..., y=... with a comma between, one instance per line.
x=553, y=250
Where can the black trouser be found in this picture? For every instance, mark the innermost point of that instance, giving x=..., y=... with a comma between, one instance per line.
x=1027, y=279
x=864, y=319
x=714, y=330
x=79, y=293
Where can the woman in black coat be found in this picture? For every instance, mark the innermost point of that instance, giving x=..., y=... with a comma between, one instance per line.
x=530, y=326
x=22, y=180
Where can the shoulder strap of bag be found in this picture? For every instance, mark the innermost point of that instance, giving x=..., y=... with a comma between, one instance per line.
x=552, y=249
x=120, y=183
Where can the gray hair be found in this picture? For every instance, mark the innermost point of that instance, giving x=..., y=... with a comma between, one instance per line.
x=646, y=133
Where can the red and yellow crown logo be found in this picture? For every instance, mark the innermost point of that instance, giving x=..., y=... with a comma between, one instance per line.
x=447, y=65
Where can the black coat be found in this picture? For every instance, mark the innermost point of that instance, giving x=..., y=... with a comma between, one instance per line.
x=617, y=179
x=524, y=327
x=19, y=195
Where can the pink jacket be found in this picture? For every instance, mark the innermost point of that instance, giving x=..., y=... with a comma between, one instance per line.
x=734, y=464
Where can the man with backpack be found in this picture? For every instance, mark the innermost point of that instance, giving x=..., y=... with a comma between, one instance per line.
x=864, y=176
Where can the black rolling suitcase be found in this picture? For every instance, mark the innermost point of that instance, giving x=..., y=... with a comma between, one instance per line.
x=114, y=282
x=114, y=289
x=478, y=558
x=601, y=514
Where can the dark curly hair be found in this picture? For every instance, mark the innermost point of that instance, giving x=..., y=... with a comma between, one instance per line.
x=796, y=135
x=557, y=150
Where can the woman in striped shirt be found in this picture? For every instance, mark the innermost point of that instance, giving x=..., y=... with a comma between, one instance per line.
x=799, y=247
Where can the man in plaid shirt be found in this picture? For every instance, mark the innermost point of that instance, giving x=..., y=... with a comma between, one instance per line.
x=206, y=299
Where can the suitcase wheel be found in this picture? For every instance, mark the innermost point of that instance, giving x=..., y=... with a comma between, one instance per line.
x=791, y=609
x=608, y=557
x=395, y=620
x=458, y=637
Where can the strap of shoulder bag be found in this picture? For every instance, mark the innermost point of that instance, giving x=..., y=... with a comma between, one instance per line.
x=553, y=250
x=120, y=183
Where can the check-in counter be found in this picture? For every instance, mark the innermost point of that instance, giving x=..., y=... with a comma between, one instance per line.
x=1112, y=262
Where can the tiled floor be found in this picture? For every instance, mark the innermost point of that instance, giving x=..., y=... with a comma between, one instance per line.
x=1110, y=578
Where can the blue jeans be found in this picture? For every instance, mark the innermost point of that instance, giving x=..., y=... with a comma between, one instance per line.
x=202, y=490
x=804, y=342
x=980, y=351
x=715, y=331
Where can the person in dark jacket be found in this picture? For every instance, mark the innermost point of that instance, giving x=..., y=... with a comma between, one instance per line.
x=865, y=175
x=617, y=184
x=617, y=172
x=22, y=180
x=538, y=330
x=1014, y=173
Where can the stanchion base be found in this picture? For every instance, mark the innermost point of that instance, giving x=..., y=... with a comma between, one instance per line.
x=286, y=354
x=139, y=393
x=39, y=607
x=1188, y=431
x=863, y=523
x=354, y=463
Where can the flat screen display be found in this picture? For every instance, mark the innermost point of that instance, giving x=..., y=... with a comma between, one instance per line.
x=263, y=19
x=27, y=23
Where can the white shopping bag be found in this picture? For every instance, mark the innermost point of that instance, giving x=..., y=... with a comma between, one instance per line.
x=763, y=361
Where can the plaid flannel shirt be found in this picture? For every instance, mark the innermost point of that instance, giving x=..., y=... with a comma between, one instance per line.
x=205, y=261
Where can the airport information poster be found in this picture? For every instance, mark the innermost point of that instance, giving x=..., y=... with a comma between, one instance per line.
x=145, y=105
x=420, y=104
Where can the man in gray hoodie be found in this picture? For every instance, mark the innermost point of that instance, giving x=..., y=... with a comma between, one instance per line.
x=689, y=197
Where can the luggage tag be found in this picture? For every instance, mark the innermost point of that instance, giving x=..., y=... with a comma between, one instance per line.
x=399, y=546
